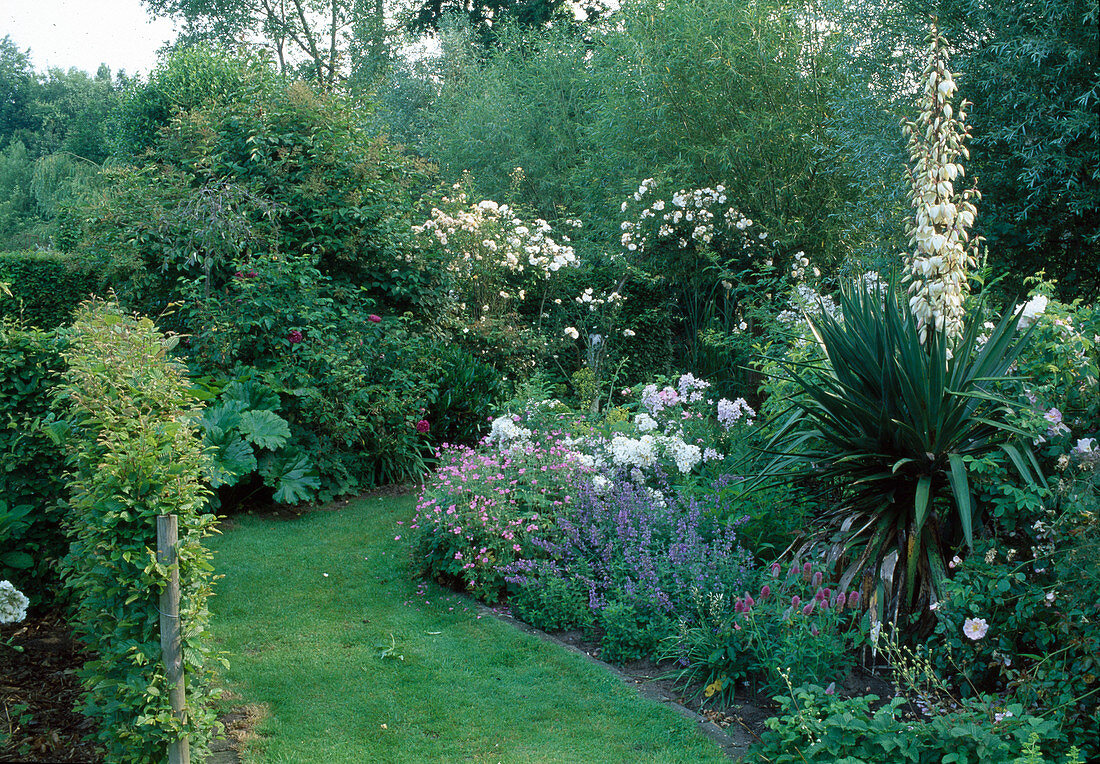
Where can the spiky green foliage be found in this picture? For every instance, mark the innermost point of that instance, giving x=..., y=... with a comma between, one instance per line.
x=895, y=424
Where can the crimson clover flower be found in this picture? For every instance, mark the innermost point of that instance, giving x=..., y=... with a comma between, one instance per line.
x=374, y=318
x=294, y=337
x=423, y=426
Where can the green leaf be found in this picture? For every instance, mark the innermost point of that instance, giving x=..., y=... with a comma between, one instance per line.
x=17, y=560
x=231, y=458
x=293, y=476
x=960, y=489
x=921, y=502
x=264, y=428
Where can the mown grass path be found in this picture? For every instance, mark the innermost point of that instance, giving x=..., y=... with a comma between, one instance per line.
x=367, y=664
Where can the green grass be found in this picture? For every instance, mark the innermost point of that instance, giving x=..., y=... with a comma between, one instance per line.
x=367, y=664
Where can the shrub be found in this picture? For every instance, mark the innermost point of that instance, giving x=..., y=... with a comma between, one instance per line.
x=1038, y=638
x=134, y=455
x=893, y=423
x=480, y=510
x=31, y=464
x=815, y=725
x=46, y=287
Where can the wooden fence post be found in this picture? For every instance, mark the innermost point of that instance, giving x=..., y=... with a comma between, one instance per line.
x=171, y=645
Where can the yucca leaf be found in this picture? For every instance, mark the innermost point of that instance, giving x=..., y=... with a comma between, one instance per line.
x=960, y=489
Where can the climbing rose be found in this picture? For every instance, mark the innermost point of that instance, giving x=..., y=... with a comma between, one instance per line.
x=975, y=628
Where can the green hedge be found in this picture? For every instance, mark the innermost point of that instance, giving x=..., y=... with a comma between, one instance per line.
x=47, y=286
x=31, y=464
x=134, y=455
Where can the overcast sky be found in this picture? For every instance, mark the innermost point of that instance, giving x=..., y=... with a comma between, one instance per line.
x=85, y=33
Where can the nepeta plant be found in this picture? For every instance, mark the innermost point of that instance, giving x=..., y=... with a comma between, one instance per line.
x=638, y=558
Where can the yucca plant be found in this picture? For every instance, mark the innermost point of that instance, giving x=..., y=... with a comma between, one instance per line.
x=893, y=422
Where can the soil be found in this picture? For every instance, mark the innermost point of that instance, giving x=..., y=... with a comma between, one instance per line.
x=38, y=693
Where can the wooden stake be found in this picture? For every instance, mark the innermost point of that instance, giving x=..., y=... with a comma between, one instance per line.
x=171, y=644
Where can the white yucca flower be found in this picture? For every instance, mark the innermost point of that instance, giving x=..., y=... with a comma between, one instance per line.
x=943, y=251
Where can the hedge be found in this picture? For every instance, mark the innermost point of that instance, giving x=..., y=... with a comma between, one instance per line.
x=47, y=286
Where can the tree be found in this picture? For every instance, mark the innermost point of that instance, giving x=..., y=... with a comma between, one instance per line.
x=17, y=91
x=327, y=39
x=1031, y=70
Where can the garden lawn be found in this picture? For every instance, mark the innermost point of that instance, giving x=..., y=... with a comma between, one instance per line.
x=369, y=664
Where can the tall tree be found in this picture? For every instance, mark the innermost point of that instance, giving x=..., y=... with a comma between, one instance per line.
x=320, y=37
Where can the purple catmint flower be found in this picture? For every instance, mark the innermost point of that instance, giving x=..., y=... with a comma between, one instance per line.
x=817, y=578
x=796, y=601
x=853, y=599
x=765, y=590
x=807, y=568
x=809, y=607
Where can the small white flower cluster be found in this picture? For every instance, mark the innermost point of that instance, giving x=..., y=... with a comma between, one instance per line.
x=689, y=389
x=491, y=233
x=805, y=301
x=642, y=453
x=645, y=423
x=506, y=434
x=731, y=412
x=689, y=216
x=13, y=603
x=799, y=266
x=944, y=252
x=593, y=300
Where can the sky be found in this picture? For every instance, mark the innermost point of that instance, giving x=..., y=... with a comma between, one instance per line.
x=85, y=33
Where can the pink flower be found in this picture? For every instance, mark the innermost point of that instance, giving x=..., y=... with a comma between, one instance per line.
x=294, y=337
x=373, y=318
x=423, y=426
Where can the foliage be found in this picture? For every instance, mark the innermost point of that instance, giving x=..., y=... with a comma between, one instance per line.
x=796, y=627
x=1030, y=69
x=894, y=423
x=242, y=433
x=30, y=463
x=188, y=78
x=312, y=39
x=134, y=456
x=1039, y=604
x=815, y=725
x=46, y=287
x=335, y=194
